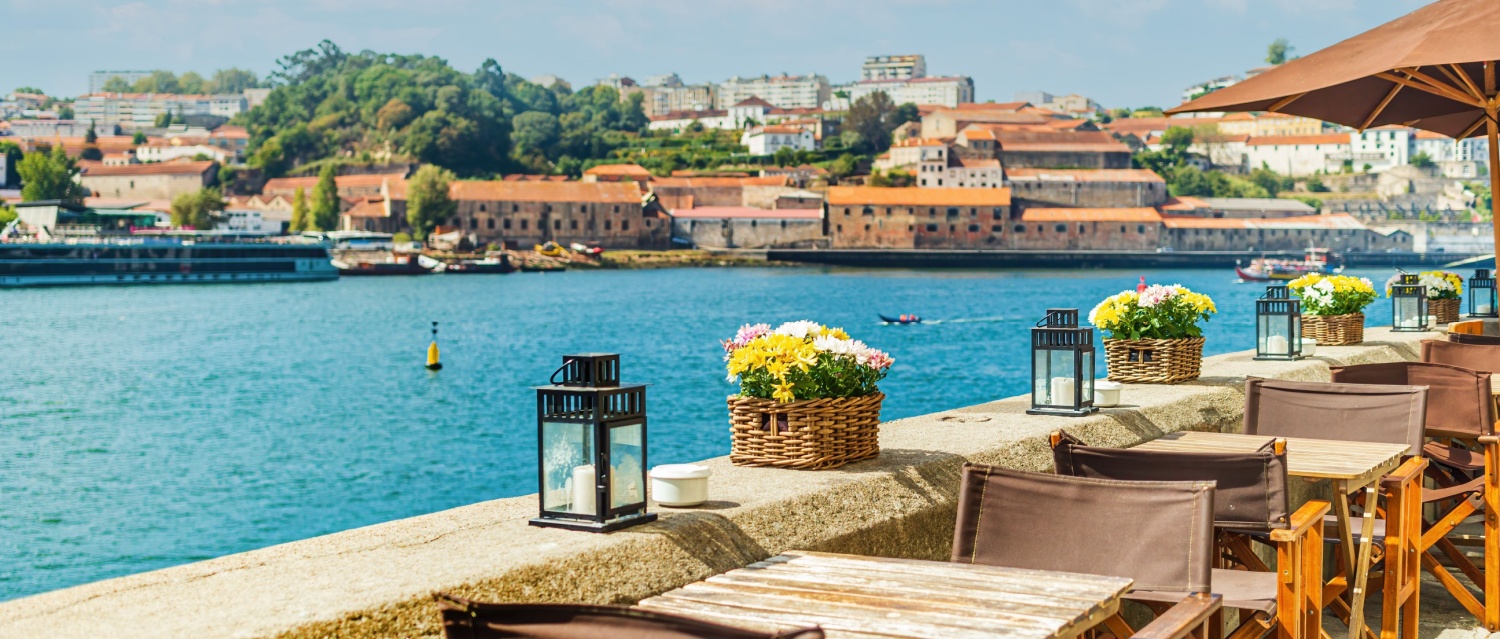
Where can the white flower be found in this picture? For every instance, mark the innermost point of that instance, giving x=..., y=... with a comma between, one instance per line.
x=1156, y=294
x=799, y=329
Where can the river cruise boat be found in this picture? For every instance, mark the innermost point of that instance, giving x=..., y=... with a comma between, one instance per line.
x=1263, y=269
x=114, y=250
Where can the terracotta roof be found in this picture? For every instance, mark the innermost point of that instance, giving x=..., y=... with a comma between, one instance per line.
x=1336, y=221
x=1184, y=203
x=230, y=131
x=528, y=177
x=1083, y=175
x=97, y=169
x=877, y=196
x=1091, y=215
x=1096, y=141
x=1431, y=135
x=619, y=169
x=370, y=207
x=988, y=106
x=776, y=129
x=972, y=163
x=1146, y=125
x=547, y=191
x=975, y=133
x=746, y=212
x=692, y=182
x=1324, y=138
x=369, y=179
x=754, y=101
x=690, y=115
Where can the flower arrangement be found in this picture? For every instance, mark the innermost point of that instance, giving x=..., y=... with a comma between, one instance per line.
x=1159, y=312
x=1441, y=285
x=1332, y=294
x=802, y=360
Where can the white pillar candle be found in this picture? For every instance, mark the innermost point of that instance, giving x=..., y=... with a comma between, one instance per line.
x=1483, y=309
x=1277, y=345
x=583, y=489
x=1062, y=390
x=1309, y=346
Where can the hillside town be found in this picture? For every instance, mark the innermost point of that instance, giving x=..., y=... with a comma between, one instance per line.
x=897, y=159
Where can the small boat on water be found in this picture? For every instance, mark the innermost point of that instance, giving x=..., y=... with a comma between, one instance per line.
x=904, y=319
x=542, y=268
x=497, y=264
x=1264, y=269
x=366, y=263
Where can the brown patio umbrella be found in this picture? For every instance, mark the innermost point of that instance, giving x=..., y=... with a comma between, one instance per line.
x=1432, y=69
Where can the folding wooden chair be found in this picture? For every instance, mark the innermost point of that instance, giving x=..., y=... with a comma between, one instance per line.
x=1159, y=534
x=1251, y=494
x=1467, y=417
x=464, y=619
x=1359, y=413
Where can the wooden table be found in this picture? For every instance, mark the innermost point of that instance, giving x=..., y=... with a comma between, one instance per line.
x=866, y=597
x=1350, y=466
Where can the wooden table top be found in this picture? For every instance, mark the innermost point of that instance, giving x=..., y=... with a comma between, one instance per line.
x=1356, y=462
x=866, y=597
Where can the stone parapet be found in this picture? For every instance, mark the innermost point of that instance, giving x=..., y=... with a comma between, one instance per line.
x=376, y=581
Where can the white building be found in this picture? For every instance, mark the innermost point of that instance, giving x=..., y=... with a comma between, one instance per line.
x=767, y=140
x=1210, y=86
x=784, y=91
x=1298, y=155
x=910, y=152
x=893, y=67
x=249, y=221
x=1382, y=147
x=140, y=110
x=169, y=152
x=948, y=92
x=960, y=173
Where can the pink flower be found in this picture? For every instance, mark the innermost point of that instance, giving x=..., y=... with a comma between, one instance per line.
x=1156, y=294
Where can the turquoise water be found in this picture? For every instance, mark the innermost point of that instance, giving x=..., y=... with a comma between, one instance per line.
x=148, y=427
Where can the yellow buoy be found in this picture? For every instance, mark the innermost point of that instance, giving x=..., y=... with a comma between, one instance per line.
x=432, y=351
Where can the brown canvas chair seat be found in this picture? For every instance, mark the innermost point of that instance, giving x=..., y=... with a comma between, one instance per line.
x=465, y=619
x=1241, y=590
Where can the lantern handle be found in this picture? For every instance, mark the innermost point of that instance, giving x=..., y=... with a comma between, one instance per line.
x=553, y=378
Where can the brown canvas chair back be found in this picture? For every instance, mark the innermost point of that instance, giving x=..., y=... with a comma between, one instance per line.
x=1249, y=488
x=1475, y=357
x=1158, y=533
x=1473, y=338
x=1459, y=403
x=1344, y=412
x=464, y=619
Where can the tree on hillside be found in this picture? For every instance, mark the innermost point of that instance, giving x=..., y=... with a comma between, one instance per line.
x=1279, y=52
x=868, y=125
x=32, y=90
x=49, y=176
x=200, y=210
x=1422, y=160
x=843, y=167
x=427, y=201
x=1175, y=143
x=138, y=139
x=232, y=80
x=158, y=82
x=299, y=211
x=117, y=84
x=325, y=205
x=191, y=82
x=90, y=136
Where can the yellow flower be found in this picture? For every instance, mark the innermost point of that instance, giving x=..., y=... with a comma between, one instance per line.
x=783, y=392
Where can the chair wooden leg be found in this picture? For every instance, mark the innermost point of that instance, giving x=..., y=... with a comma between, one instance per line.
x=1491, y=533
x=1256, y=627
x=1117, y=625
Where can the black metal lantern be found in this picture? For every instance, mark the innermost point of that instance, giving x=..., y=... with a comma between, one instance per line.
x=1278, y=325
x=591, y=441
x=1062, y=365
x=1408, y=305
x=1482, y=300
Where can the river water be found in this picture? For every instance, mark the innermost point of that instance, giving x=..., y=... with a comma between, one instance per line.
x=152, y=426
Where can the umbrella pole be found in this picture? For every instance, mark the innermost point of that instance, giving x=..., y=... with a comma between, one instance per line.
x=1494, y=132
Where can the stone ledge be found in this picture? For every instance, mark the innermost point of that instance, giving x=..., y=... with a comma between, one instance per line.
x=376, y=581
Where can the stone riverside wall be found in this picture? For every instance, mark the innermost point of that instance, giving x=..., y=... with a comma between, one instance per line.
x=376, y=581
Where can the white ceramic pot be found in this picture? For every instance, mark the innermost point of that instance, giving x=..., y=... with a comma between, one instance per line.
x=1107, y=393
x=679, y=485
x=1309, y=347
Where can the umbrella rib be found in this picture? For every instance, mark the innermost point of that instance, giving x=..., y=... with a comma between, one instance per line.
x=1281, y=104
x=1414, y=74
x=1472, y=128
x=1467, y=81
x=1429, y=89
x=1395, y=88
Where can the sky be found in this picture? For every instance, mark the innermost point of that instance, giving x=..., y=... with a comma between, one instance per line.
x=1122, y=53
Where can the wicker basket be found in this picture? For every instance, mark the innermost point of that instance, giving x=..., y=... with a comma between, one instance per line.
x=1443, y=311
x=810, y=434
x=1334, y=330
x=1154, y=361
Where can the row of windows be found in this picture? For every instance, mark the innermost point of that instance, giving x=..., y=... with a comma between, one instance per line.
x=952, y=211
x=546, y=208
x=1019, y=228
x=556, y=224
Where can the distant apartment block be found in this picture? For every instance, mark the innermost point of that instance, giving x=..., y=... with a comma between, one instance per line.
x=881, y=68
x=1268, y=124
x=782, y=91
x=663, y=94
x=1204, y=88
x=98, y=79
x=948, y=92
x=39, y=129
x=140, y=110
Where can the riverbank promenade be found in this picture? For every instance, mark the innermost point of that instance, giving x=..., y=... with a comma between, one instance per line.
x=378, y=581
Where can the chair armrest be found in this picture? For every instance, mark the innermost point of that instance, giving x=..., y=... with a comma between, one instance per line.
x=1489, y=439
x=1309, y=515
x=1182, y=619
x=1408, y=472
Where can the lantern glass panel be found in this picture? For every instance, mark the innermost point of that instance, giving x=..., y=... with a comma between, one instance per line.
x=627, y=473
x=1275, y=334
x=567, y=468
x=1087, y=368
x=1055, y=377
x=1408, y=312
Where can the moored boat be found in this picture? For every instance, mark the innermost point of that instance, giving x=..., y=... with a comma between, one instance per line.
x=499, y=264
x=1263, y=269
x=371, y=263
